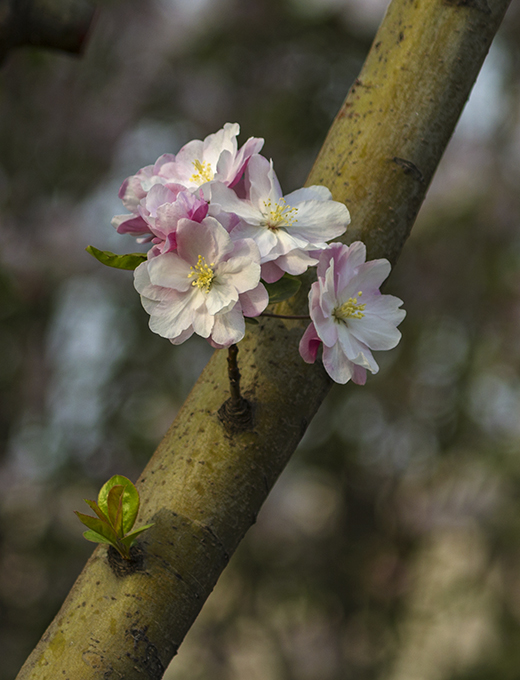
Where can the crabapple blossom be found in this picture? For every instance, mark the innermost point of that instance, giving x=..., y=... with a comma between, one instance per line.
x=285, y=229
x=350, y=316
x=215, y=159
x=205, y=287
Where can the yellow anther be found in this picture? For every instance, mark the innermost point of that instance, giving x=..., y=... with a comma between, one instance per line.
x=279, y=215
x=204, y=274
x=204, y=172
x=351, y=309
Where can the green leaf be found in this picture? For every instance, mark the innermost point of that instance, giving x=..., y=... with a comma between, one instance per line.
x=128, y=261
x=130, y=538
x=98, y=526
x=130, y=500
x=93, y=536
x=251, y=320
x=115, y=508
x=283, y=289
x=94, y=506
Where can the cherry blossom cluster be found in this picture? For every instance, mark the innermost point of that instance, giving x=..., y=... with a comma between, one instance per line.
x=220, y=228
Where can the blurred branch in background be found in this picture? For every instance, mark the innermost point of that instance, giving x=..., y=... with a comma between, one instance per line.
x=57, y=24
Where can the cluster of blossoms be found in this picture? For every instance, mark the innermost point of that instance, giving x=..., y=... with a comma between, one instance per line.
x=220, y=227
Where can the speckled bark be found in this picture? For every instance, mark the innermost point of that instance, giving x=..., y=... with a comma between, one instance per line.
x=204, y=486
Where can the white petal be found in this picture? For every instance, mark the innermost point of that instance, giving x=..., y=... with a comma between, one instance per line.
x=169, y=271
x=254, y=301
x=337, y=364
x=229, y=327
x=375, y=332
x=220, y=295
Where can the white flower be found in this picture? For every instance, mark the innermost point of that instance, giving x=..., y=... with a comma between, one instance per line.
x=349, y=314
x=206, y=286
x=285, y=228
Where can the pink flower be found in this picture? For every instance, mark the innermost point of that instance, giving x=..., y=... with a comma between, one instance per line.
x=285, y=229
x=349, y=314
x=205, y=287
x=163, y=208
x=216, y=159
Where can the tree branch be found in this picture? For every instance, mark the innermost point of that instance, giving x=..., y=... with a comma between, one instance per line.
x=57, y=24
x=203, y=487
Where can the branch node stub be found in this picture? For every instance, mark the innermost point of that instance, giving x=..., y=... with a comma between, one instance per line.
x=236, y=416
x=122, y=567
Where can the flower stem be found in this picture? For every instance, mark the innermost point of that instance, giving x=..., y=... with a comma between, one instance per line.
x=285, y=316
x=235, y=413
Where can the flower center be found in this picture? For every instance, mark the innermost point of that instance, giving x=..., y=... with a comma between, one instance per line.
x=351, y=309
x=204, y=274
x=279, y=215
x=204, y=172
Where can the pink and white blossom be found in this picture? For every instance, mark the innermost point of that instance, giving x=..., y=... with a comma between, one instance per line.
x=286, y=228
x=350, y=316
x=215, y=159
x=205, y=287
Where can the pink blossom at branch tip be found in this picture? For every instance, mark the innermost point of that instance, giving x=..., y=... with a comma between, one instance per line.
x=205, y=287
x=350, y=317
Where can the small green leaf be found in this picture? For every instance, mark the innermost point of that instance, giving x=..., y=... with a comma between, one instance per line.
x=251, y=320
x=94, y=506
x=283, y=289
x=130, y=538
x=130, y=500
x=93, y=536
x=115, y=508
x=98, y=526
x=128, y=261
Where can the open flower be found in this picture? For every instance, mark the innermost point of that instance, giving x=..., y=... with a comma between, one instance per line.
x=206, y=286
x=349, y=314
x=285, y=228
x=216, y=158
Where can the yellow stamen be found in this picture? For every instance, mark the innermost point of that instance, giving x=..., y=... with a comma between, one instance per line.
x=279, y=215
x=204, y=274
x=351, y=309
x=204, y=172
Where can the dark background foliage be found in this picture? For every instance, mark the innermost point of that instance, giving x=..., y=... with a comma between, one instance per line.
x=390, y=547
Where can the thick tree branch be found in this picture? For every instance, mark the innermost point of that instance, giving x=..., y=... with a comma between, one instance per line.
x=203, y=487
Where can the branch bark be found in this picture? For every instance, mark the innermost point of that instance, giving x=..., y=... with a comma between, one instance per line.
x=205, y=484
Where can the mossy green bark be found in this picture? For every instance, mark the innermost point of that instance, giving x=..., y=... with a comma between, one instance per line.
x=205, y=484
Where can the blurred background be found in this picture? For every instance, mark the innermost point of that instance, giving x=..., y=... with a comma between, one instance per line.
x=390, y=547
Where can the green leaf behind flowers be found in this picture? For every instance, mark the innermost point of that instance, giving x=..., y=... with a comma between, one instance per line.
x=129, y=261
x=283, y=289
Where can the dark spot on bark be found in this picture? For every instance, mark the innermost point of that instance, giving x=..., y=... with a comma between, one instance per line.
x=401, y=36
x=122, y=567
x=409, y=168
x=480, y=5
x=377, y=45
x=146, y=654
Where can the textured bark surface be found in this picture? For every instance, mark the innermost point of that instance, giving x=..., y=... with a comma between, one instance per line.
x=204, y=485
